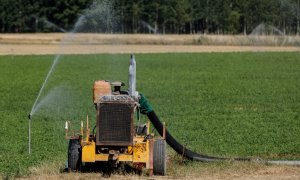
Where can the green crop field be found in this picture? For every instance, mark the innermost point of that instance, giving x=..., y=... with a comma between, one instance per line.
x=222, y=104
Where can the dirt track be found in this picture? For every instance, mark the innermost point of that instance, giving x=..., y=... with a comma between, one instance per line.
x=35, y=44
x=28, y=49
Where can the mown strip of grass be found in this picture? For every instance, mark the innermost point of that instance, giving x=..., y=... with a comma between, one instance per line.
x=223, y=104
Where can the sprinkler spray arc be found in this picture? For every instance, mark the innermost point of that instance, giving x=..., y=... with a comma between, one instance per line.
x=35, y=103
x=55, y=61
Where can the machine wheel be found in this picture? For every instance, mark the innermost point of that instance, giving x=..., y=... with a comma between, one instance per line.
x=74, y=155
x=159, y=157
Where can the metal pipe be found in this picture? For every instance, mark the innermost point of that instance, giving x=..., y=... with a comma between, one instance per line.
x=132, y=77
x=29, y=132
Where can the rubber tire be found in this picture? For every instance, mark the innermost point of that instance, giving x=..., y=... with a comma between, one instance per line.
x=74, y=155
x=159, y=157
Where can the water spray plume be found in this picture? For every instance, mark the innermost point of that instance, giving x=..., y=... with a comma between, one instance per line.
x=100, y=13
x=56, y=59
x=149, y=27
x=43, y=86
x=49, y=23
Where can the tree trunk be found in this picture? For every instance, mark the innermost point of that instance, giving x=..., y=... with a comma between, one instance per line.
x=298, y=21
x=132, y=24
x=245, y=27
x=122, y=23
x=298, y=27
x=206, y=26
x=156, y=21
x=284, y=28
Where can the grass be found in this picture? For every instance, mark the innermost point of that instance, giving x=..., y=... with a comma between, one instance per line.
x=222, y=104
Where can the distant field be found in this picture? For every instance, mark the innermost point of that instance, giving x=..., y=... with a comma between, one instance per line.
x=222, y=104
x=150, y=39
x=63, y=43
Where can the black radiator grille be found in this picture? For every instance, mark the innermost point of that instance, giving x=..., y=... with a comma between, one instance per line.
x=115, y=124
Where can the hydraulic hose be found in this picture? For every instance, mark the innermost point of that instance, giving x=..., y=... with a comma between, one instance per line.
x=146, y=108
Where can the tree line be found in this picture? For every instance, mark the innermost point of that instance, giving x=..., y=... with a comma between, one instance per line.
x=154, y=16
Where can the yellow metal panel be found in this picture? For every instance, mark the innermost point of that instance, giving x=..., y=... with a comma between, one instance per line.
x=138, y=139
x=129, y=150
x=140, y=152
x=88, y=152
x=122, y=157
x=143, y=151
x=125, y=157
x=101, y=157
x=137, y=153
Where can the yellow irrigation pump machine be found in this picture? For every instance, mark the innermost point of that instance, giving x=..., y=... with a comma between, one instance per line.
x=115, y=138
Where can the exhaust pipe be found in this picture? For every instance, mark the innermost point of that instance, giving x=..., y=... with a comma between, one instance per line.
x=132, y=78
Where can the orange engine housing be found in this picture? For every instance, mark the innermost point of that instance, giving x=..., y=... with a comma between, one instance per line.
x=101, y=88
